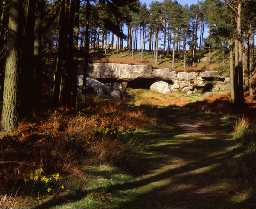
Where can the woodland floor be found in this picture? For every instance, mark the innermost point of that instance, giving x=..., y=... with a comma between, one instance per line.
x=186, y=163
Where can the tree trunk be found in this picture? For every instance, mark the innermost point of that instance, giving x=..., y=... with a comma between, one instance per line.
x=136, y=39
x=184, y=53
x=132, y=39
x=201, y=35
x=112, y=41
x=169, y=42
x=10, y=95
x=173, y=51
x=4, y=20
x=61, y=59
x=245, y=64
x=87, y=45
x=142, y=41
x=2, y=5
x=156, y=47
x=165, y=36
x=121, y=39
x=239, y=57
x=233, y=79
x=70, y=82
x=150, y=40
x=144, y=38
x=250, y=61
x=28, y=61
x=105, y=42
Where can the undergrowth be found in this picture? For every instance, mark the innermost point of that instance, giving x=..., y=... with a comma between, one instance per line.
x=244, y=165
x=36, y=156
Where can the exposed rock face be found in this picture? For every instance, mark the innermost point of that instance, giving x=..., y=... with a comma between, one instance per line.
x=115, y=77
x=164, y=74
x=187, y=75
x=124, y=72
x=161, y=87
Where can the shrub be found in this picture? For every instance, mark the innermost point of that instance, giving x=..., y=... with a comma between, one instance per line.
x=61, y=141
x=110, y=151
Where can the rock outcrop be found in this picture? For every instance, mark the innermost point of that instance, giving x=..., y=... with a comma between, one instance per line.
x=114, y=90
x=124, y=72
x=115, y=77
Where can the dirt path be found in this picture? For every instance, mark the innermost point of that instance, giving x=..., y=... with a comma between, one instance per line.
x=185, y=168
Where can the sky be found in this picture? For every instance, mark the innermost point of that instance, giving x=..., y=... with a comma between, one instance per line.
x=180, y=1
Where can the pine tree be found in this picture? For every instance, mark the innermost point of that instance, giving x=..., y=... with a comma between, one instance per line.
x=10, y=95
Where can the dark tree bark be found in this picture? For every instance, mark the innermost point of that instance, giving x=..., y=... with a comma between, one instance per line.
x=28, y=61
x=61, y=59
x=4, y=19
x=10, y=95
x=87, y=45
x=70, y=80
x=130, y=42
x=239, y=92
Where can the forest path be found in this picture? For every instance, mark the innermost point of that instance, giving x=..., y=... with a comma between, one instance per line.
x=186, y=164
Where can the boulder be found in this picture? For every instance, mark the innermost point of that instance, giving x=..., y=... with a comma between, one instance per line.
x=116, y=94
x=100, y=89
x=161, y=87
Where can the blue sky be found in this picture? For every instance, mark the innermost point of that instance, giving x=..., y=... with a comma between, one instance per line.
x=181, y=1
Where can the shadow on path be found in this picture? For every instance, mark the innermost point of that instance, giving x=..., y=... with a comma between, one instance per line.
x=185, y=167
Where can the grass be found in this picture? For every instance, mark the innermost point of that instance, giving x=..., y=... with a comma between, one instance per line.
x=146, y=97
x=241, y=128
x=181, y=157
x=182, y=165
x=103, y=177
